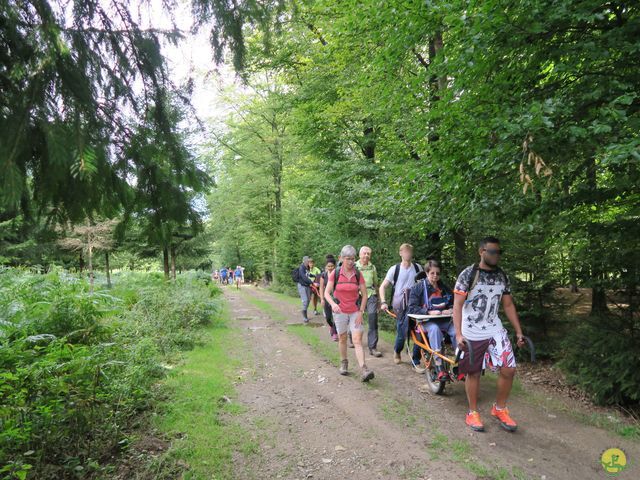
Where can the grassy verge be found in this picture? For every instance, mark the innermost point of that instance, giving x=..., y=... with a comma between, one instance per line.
x=266, y=307
x=310, y=336
x=307, y=334
x=200, y=412
x=610, y=421
x=80, y=370
x=291, y=299
x=461, y=452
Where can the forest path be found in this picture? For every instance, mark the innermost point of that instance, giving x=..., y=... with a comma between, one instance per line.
x=311, y=422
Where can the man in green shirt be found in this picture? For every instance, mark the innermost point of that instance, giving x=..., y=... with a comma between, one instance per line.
x=314, y=275
x=370, y=275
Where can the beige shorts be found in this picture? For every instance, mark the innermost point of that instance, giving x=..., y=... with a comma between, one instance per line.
x=345, y=322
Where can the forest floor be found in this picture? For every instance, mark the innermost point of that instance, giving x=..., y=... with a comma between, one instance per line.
x=303, y=420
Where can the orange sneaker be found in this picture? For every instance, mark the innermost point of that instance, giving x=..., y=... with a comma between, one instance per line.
x=473, y=420
x=503, y=417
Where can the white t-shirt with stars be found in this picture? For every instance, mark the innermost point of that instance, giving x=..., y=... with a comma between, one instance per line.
x=480, y=319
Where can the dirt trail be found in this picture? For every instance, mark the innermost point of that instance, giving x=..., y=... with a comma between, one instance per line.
x=313, y=423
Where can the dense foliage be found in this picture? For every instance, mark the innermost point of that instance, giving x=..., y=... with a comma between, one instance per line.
x=437, y=123
x=378, y=123
x=77, y=370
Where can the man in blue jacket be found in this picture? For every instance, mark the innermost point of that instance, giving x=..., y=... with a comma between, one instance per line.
x=304, y=287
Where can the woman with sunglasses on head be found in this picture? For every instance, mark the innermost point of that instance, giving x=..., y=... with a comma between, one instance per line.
x=346, y=292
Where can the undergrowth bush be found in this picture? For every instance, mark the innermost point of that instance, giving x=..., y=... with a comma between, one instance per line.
x=601, y=356
x=76, y=369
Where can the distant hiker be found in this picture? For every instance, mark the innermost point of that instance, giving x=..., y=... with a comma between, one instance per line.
x=348, y=303
x=400, y=277
x=329, y=267
x=370, y=274
x=238, y=275
x=314, y=275
x=303, y=282
x=224, y=273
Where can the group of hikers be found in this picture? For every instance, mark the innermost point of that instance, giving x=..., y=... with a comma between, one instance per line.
x=348, y=288
x=228, y=276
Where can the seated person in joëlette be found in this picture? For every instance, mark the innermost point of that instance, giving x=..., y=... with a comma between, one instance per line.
x=430, y=296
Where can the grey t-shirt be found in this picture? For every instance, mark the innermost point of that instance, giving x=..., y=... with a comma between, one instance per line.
x=480, y=319
x=406, y=278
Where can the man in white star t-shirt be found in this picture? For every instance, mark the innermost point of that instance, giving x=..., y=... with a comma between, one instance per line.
x=479, y=291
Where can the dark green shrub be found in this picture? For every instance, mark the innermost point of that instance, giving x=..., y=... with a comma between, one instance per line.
x=78, y=369
x=601, y=356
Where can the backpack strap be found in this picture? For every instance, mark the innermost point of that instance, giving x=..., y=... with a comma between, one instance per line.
x=416, y=266
x=475, y=275
x=396, y=274
x=337, y=276
x=473, y=278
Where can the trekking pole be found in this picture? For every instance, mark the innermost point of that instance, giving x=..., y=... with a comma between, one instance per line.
x=469, y=351
x=532, y=348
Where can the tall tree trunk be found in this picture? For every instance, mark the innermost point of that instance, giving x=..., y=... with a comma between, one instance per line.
x=459, y=240
x=598, y=273
x=573, y=281
x=436, y=83
x=81, y=263
x=90, y=268
x=435, y=248
x=598, y=297
x=173, y=261
x=277, y=183
x=107, y=268
x=369, y=141
x=165, y=261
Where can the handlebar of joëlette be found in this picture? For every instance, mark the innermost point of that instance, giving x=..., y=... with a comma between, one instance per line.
x=469, y=349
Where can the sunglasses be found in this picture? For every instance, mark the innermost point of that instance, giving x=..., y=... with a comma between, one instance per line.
x=492, y=251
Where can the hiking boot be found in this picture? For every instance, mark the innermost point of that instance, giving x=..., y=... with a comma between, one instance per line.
x=316, y=313
x=344, y=365
x=396, y=358
x=504, y=418
x=473, y=420
x=375, y=353
x=305, y=318
x=366, y=374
